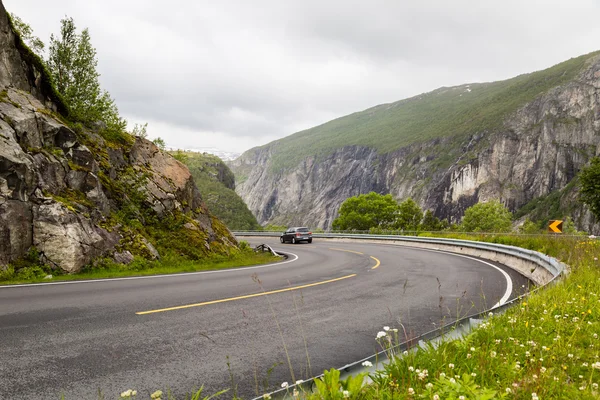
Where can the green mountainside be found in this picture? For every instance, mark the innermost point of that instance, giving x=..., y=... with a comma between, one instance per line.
x=445, y=112
x=216, y=182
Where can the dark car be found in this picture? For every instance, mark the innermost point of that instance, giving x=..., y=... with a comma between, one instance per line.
x=296, y=235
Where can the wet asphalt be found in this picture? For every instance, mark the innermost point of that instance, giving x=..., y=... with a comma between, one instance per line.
x=76, y=339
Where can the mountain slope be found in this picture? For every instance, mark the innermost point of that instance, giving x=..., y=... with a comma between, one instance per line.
x=514, y=140
x=216, y=182
x=70, y=196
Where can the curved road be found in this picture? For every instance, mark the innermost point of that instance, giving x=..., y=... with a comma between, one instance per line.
x=182, y=331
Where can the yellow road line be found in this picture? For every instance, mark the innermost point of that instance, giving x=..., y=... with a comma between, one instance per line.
x=377, y=261
x=206, y=303
x=348, y=251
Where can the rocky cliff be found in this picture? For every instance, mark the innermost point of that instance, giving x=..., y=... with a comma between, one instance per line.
x=77, y=195
x=531, y=152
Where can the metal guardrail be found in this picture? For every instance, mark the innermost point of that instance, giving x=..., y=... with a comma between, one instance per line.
x=451, y=330
x=551, y=264
x=265, y=248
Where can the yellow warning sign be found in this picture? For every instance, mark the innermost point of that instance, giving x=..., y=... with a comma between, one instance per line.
x=555, y=226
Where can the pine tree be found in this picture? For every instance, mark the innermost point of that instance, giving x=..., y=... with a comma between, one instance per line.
x=73, y=64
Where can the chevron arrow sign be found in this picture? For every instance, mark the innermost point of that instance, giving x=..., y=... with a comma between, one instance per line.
x=555, y=226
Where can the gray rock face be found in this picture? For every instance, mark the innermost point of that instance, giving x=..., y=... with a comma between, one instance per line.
x=68, y=240
x=58, y=188
x=124, y=257
x=539, y=150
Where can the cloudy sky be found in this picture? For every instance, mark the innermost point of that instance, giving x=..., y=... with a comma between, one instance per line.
x=237, y=74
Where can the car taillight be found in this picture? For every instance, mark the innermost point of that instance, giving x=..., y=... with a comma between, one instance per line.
x=310, y=233
x=298, y=234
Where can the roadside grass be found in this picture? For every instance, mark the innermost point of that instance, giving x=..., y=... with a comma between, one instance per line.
x=545, y=347
x=106, y=269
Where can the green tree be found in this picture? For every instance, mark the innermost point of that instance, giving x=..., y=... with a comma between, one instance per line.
x=26, y=33
x=367, y=211
x=140, y=130
x=160, y=143
x=431, y=223
x=409, y=215
x=590, y=186
x=529, y=227
x=491, y=216
x=72, y=63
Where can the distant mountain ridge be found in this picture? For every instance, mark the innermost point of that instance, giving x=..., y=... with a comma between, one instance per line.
x=516, y=140
x=223, y=155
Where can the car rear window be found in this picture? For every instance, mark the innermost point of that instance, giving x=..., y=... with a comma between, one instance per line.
x=302, y=229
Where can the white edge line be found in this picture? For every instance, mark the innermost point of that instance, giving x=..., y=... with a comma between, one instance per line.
x=509, y=283
x=129, y=278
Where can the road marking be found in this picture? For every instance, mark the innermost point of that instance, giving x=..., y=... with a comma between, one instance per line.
x=377, y=261
x=347, y=251
x=249, y=296
x=509, y=283
x=131, y=278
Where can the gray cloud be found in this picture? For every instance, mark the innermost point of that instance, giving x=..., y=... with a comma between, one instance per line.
x=234, y=74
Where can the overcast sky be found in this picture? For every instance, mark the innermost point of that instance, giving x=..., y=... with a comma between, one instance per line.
x=237, y=74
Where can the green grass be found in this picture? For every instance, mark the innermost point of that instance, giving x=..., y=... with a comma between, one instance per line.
x=546, y=347
x=446, y=112
x=139, y=267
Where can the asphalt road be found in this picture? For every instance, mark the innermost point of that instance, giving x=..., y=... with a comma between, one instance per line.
x=76, y=338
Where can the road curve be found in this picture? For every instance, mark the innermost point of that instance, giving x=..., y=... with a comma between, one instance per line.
x=182, y=331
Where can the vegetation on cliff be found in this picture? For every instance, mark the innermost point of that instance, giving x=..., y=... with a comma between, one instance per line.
x=217, y=185
x=590, y=186
x=97, y=196
x=446, y=112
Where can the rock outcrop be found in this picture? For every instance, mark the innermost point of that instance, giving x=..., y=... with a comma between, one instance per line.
x=75, y=196
x=538, y=150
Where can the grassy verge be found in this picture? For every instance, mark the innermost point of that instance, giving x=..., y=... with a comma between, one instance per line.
x=106, y=269
x=547, y=347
